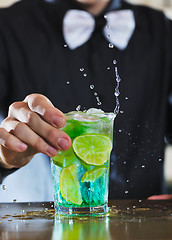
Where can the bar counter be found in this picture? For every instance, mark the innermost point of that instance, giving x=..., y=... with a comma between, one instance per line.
x=127, y=220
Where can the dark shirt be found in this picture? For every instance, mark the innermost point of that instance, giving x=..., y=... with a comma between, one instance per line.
x=34, y=59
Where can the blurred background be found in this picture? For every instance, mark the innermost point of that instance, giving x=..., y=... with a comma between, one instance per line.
x=166, y=6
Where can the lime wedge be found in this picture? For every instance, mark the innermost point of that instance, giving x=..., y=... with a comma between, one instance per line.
x=94, y=174
x=69, y=185
x=64, y=158
x=93, y=149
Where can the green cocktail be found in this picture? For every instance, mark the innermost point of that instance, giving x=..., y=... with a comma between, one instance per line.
x=81, y=174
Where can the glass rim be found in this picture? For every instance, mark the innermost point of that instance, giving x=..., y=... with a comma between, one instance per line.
x=72, y=113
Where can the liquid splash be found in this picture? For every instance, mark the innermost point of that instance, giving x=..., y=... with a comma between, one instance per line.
x=117, y=92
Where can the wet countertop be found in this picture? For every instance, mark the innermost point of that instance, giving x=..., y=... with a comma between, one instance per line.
x=128, y=219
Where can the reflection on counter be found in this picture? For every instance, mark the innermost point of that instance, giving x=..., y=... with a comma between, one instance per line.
x=89, y=229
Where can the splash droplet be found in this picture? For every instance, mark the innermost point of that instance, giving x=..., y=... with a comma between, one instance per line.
x=114, y=62
x=85, y=74
x=81, y=69
x=65, y=45
x=4, y=187
x=91, y=86
x=68, y=82
x=118, y=79
x=78, y=108
x=117, y=93
x=111, y=45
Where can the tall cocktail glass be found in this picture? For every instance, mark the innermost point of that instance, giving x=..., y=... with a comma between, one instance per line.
x=80, y=175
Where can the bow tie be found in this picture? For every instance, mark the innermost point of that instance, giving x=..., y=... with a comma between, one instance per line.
x=79, y=25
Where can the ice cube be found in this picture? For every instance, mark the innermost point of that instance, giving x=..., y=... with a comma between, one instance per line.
x=94, y=111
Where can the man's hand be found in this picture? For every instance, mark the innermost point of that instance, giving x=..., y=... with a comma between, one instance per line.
x=32, y=126
x=161, y=197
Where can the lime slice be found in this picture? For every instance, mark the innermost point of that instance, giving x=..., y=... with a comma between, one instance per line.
x=94, y=174
x=64, y=158
x=93, y=149
x=69, y=185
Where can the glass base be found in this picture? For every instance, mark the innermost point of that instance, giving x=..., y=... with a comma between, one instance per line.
x=81, y=211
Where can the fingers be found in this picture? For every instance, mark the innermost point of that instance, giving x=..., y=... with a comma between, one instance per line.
x=42, y=106
x=26, y=135
x=161, y=197
x=20, y=112
x=11, y=142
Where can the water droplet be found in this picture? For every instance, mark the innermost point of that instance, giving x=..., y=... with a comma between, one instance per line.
x=78, y=108
x=134, y=206
x=125, y=162
x=107, y=26
x=85, y=74
x=65, y=45
x=117, y=93
x=140, y=200
x=99, y=103
x=14, y=200
x=68, y=82
x=118, y=79
x=111, y=45
x=95, y=94
x=120, y=130
x=108, y=68
x=143, y=166
x=81, y=69
x=128, y=180
x=105, y=16
x=46, y=209
x=126, y=98
x=160, y=160
x=108, y=36
x=4, y=187
x=92, y=86
x=126, y=192
x=121, y=111
x=115, y=62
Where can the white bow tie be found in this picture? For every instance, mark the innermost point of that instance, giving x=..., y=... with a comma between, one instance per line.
x=79, y=25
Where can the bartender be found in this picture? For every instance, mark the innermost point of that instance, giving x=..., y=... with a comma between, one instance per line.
x=46, y=69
